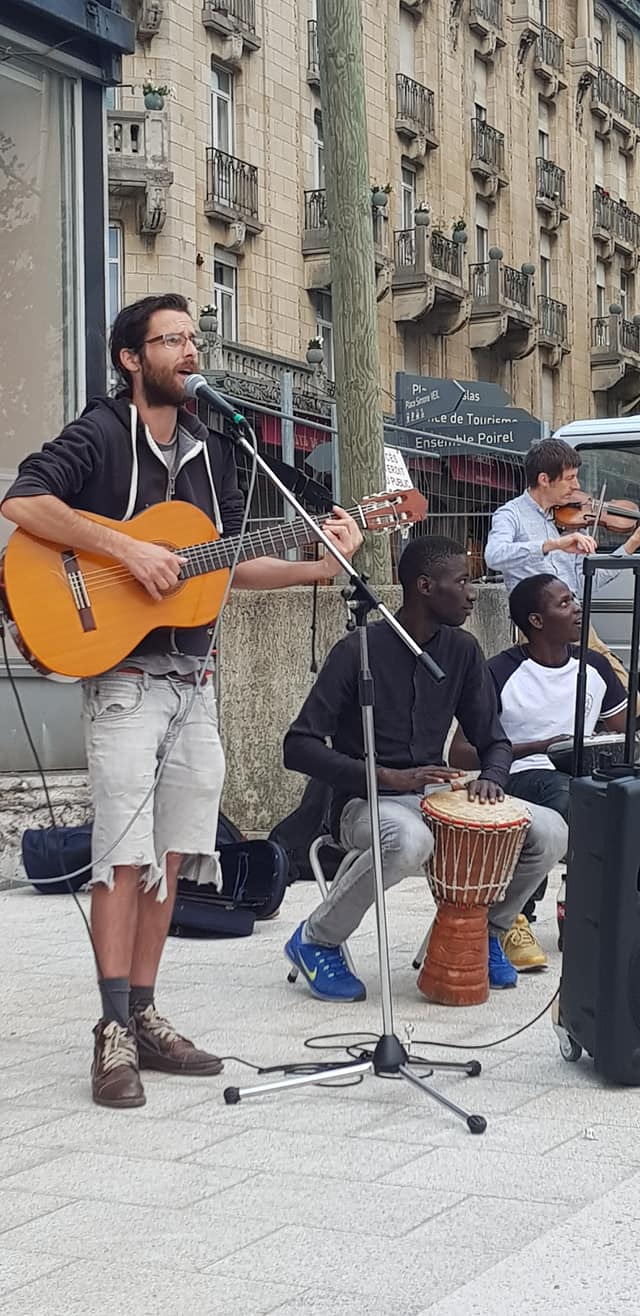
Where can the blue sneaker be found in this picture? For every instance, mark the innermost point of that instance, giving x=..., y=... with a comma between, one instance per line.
x=501, y=972
x=324, y=969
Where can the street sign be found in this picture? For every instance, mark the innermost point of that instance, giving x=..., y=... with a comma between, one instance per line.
x=461, y=415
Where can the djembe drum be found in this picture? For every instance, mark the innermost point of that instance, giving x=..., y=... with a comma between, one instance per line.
x=477, y=847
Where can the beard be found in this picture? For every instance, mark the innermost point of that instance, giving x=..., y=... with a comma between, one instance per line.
x=162, y=388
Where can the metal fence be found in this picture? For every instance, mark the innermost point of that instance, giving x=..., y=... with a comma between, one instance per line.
x=463, y=488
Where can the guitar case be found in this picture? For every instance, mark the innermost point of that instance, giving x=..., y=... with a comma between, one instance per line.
x=598, y=1008
x=254, y=879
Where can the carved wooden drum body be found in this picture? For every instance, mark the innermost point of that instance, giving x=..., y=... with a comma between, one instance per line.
x=477, y=847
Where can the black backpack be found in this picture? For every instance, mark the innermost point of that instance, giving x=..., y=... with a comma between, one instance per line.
x=296, y=832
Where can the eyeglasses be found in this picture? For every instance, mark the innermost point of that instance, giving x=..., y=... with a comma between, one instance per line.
x=175, y=342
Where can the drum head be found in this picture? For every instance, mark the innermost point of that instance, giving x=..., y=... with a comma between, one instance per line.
x=456, y=807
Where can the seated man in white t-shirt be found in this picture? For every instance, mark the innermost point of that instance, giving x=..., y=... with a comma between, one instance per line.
x=536, y=686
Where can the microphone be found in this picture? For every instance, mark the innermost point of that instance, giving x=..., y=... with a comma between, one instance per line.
x=195, y=386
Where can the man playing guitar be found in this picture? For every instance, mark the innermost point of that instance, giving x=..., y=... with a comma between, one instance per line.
x=121, y=456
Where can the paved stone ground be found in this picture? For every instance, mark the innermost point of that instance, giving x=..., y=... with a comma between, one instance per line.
x=370, y=1201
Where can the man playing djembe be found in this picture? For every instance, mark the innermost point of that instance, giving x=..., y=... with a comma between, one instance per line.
x=412, y=720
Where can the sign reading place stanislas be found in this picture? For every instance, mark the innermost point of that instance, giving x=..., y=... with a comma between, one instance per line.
x=461, y=415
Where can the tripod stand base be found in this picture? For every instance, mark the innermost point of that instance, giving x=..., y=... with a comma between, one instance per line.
x=389, y=1057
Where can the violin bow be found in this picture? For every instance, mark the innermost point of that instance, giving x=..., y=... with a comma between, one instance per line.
x=599, y=509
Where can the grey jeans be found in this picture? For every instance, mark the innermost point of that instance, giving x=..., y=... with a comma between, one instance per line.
x=407, y=844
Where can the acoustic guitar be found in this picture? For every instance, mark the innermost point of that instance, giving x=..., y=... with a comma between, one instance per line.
x=78, y=614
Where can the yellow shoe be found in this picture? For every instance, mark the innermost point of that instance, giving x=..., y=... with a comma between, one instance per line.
x=521, y=948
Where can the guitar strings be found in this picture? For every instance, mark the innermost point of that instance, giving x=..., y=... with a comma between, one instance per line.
x=255, y=539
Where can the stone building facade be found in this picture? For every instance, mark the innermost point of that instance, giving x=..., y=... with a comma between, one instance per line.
x=515, y=122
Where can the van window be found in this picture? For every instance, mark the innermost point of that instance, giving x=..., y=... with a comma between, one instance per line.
x=620, y=468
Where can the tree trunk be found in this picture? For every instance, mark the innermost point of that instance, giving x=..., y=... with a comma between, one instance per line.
x=353, y=289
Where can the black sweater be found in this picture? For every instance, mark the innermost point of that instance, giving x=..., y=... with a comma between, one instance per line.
x=412, y=714
x=97, y=464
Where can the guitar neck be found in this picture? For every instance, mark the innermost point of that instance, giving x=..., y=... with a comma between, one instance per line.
x=218, y=554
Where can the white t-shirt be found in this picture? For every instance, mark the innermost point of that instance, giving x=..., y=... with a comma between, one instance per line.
x=537, y=703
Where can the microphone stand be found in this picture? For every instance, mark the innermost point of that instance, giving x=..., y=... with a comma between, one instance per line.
x=389, y=1057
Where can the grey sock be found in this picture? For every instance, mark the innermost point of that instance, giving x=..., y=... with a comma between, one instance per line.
x=140, y=998
x=115, y=1000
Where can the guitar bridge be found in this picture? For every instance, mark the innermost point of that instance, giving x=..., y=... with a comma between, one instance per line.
x=79, y=590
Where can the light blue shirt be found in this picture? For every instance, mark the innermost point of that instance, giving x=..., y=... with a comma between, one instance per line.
x=514, y=547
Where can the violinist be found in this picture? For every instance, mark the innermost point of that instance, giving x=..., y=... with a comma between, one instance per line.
x=524, y=539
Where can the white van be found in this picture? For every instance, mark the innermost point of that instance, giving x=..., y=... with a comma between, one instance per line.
x=610, y=452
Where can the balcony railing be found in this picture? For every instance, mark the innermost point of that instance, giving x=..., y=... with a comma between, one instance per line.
x=241, y=12
x=446, y=255
x=618, y=98
x=487, y=145
x=415, y=106
x=316, y=223
x=550, y=49
x=232, y=184
x=612, y=335
x=315, y=210
x=551, y=182
x=617, y=219
x=490, y=11
x=313, y=58
x=513, y=286
x=552, y=318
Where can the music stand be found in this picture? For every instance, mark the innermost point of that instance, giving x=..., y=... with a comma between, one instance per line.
x=389, y=1057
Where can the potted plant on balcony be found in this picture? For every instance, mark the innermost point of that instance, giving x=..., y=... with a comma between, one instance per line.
x=422, y=215
x=154, y=96
x=315, y=352
x=380, y=194
x=208, y=320
x=459, y=231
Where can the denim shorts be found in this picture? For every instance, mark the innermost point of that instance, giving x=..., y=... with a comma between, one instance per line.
x=131, y=720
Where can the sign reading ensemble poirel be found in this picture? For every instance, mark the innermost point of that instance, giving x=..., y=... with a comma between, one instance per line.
x=461, y=415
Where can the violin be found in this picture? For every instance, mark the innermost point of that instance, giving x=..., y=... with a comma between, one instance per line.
x=620, y=516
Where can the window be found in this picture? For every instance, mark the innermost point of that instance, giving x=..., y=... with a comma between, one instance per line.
x=115, y=271
x=479, y=89
x=225, y=294
x=222, y=110
x=112, y=98
x=324, y=329
x=544, y=130
x=40, y=243
x=601, y=288
x=407, y=44
x=598, y=162
x=623, y=176
x=621, y=58
x=318, y=152
x=598, y=36
x=482, y=231
x=546, y=395
x=545, y=265
x=408, y=196
x=626, y=294
x=543, y=6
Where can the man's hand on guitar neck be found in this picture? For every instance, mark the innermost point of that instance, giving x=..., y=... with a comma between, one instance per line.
x=343, y=531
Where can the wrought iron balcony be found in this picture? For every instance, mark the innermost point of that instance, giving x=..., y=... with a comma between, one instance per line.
x=550, y=50
x=232, y=189
x=551, y=185
x=138, y=164
x=621, y=101
x=611, y=335
x=315, y=238
x=614, y=223
x=483, y=12
x=428, y=280
x=552, y=321
x=228, y=17
x=415, y=111
x=313, y=58
x=503, y=314
x=487, y=149
x=615, y=354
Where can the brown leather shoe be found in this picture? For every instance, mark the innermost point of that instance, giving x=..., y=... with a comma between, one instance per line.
x=161, y=1047
x=115, y=1080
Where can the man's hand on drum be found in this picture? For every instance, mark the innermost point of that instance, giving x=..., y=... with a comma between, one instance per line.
x=484, y=791
x=406, y=781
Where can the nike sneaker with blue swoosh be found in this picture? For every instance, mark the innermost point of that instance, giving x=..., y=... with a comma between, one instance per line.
x=324, y=969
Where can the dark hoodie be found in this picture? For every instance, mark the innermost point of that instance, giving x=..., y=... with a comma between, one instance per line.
x=105, y=462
